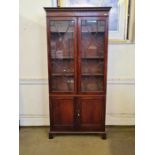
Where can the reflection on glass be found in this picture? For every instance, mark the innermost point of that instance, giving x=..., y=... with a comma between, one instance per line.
x=92, y=57
x=92, y=84
x=62, y=55
x=114, y=13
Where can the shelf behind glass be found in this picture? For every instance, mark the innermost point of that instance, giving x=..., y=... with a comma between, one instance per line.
x=63, y=74
x=92, y=74
x=89, y=84
x=62, y=84
x=63, y=58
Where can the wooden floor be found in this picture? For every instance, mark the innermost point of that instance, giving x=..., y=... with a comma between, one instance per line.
x=34, y=141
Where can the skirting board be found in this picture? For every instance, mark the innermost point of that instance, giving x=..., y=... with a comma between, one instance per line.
x=111, y=119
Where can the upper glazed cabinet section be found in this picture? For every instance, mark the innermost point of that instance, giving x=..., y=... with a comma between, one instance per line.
x=77, y=48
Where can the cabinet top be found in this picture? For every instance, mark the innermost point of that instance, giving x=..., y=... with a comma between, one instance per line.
x=77, y=11
x=49, y=9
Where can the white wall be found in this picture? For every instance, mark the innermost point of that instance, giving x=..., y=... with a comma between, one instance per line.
x=33, y=71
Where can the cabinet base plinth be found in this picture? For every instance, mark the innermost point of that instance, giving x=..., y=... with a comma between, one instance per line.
x=104, y=136
x=51, y=133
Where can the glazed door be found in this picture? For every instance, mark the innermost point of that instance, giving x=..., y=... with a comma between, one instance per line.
x=62, y=54
x=91, y=54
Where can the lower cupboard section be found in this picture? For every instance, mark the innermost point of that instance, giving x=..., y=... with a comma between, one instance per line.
x=77, y=113
x=62, y=111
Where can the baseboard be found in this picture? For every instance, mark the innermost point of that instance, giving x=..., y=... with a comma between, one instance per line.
x=34, y=120
x=111, y=119
x=120, y=119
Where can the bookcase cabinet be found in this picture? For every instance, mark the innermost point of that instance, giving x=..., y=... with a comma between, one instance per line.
x=77, y=69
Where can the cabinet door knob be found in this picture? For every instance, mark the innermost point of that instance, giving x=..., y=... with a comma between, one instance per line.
x=78, y=114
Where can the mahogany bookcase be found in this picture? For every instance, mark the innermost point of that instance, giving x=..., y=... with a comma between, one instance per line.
x=77, y=69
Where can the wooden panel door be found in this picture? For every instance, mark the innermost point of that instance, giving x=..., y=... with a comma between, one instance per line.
x=62, y=113
x=92, y=112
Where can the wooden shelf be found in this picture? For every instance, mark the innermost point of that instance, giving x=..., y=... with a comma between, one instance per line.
x=63, y=74
x=92, y=58
x=98, y=33
x=62, y=32
x=85, y=58
x=64, y=58
x=93, y=74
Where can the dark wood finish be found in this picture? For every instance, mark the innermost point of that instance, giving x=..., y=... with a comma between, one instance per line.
x=104, y=136
x=62, y=113
x=50, y=135
x=77, y=84
x=92, y=113
x=77, y=11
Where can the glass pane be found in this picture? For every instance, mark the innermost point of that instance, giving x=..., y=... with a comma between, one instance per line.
x=92, y=55
x=62, y=55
